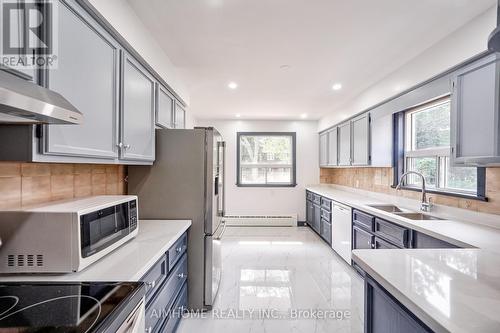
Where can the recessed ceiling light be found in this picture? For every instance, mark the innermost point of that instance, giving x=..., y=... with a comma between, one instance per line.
x=232, y=85
x=285, y=67
x=303, y=116
x=238, y=115
x=337, y=86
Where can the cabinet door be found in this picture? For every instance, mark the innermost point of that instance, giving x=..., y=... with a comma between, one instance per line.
x=180, y=116
x=361, y=239
x=381, y=143
x=137, y=112
x=309, y=213
x=323, y=149
x=164, y=108
x=89, y=80
x=361, y=140
x=332, y=147
x=423, y=241
x=383, y=314
x=344, y=137
x=18, y=39
x=317, y=219
x=475, y=124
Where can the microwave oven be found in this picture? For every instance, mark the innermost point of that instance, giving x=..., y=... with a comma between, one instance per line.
x=66, y=236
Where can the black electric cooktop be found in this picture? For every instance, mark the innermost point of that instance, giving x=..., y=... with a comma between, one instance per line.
x=62, y=307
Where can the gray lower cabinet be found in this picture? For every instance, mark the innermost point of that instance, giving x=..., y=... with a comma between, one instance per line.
x=165, y=108
x=475, y=113
x=422, y=241
x=384, y=314
x=319, y=215
x=361, y=239
x=317, y=218
x=309, y=212
x=166, y=291
x=137, y=135
x=88, y=76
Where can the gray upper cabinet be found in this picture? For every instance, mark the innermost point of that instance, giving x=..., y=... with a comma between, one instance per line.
x=361, y=140
x=137, y=140
x=180, y=116
x=323, y=149
x=332, y=147
x=344, y=138
x=165, y=108
x=89, y=80
x=475, y=117
x=18, y=37
x=381, y=142
x=348, y=144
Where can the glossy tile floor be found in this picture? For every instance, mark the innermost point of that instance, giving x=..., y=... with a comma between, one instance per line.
x=281, y=279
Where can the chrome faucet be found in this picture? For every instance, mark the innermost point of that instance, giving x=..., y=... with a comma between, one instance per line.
x=425, y=206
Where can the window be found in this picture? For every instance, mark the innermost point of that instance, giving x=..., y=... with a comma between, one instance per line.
x=426, y=142
x=266, y=159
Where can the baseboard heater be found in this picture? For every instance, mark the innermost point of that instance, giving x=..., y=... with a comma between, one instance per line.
x=261, y=220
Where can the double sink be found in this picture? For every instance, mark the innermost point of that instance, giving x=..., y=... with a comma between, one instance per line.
x=405, y=213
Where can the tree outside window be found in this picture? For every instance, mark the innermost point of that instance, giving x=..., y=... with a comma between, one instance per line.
x=266, y=159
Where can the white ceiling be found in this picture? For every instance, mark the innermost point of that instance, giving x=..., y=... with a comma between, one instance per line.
x=355, y=42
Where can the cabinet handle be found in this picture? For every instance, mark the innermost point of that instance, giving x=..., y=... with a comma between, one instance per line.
x=178, y=250
x=182, y=275
x=149, y=329
x=120, y=145
x=126, y=146
x=151, y=284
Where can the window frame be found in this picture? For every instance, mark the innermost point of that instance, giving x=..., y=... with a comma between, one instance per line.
x=293, y=166
x=402, y=138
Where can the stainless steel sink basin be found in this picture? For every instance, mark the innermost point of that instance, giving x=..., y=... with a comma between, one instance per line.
x=387, y=208
x=417, y=216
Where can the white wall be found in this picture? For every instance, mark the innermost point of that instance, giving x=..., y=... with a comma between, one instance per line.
x=258, y=200
x=466, y=42
x=122, y=17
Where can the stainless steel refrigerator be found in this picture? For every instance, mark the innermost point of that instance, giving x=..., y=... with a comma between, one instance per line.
x=186, y=181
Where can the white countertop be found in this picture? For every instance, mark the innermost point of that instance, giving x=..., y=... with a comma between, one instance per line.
x=451, y=290
x=455, y=229
x=128, y=262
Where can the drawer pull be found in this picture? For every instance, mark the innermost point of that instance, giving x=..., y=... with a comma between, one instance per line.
x=182, y=276
x=151, y=284
x=178, y=250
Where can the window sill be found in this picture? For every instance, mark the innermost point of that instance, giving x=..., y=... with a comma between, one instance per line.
x=450, y=194
x=266, y=185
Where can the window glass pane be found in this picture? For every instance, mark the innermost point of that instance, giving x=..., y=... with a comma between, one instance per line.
x=266, y=149
x=431, y=127
x=251, y=175
x=460, y=178
x=266, y=159
x=426, y=166
x=279, y=175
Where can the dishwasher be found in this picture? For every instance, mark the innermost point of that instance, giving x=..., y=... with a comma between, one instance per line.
x=342, y=230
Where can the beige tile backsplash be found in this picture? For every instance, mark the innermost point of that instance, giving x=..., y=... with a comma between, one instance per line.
x=24, y=184
x=380, y=180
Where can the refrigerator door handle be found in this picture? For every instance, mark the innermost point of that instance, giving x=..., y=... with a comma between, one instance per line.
x=224, y=226
x=222, y=176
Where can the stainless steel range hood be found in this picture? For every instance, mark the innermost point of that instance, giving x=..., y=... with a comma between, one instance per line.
x=23, y=102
